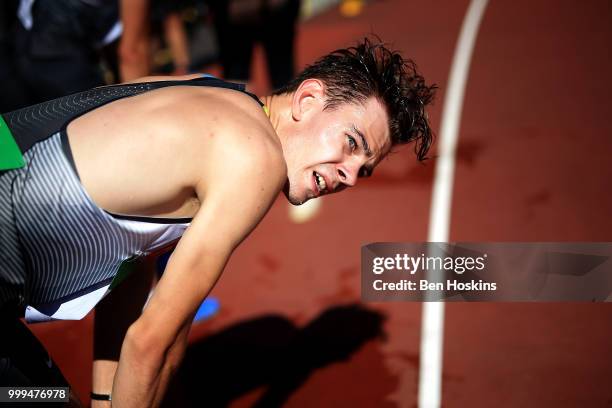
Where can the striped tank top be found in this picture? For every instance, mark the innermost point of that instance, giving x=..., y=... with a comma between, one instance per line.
x=60, y=253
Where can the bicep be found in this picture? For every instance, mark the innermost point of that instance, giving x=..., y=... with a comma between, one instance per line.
x=232, y=207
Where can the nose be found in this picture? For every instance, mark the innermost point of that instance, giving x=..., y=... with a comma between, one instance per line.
x=348, y=175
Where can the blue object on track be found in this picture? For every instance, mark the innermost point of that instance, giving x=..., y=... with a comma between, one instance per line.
x=207, y=309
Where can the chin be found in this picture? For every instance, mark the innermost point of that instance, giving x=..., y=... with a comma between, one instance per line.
x=293, y=198
x=296, y=200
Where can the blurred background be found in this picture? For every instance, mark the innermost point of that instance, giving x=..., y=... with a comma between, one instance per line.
x=532, y=164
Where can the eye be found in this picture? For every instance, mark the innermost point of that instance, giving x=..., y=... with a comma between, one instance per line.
x=352, y=142
x=364, y=172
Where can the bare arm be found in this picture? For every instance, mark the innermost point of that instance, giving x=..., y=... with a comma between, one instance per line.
x=176, y=37
x=134, y=58
x=239, y=189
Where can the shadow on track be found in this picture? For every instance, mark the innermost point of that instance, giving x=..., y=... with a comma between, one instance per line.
x=271, y=352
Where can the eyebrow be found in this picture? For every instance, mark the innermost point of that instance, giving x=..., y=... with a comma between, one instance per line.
x=366, y=147
x=369, y=170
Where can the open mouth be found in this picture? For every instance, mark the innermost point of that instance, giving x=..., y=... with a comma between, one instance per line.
x=319, y=182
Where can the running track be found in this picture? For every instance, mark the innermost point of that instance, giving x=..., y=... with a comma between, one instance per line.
x=532, y=165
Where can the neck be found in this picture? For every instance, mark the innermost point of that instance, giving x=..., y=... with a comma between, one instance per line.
x=278, y=107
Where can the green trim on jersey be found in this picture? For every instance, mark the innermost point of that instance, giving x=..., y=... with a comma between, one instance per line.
x=10, y=155
x=125, y=269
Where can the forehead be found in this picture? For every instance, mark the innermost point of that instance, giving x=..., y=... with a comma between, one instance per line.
x=371, y=119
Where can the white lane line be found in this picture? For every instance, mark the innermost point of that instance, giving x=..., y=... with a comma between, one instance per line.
x=432, y=326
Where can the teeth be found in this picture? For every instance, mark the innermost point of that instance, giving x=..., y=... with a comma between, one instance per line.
x=320, y=182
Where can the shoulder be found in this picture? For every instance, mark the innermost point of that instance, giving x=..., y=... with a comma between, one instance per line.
x=241, y=143
x=245, y=152
x=218, y=109
x=221, y=132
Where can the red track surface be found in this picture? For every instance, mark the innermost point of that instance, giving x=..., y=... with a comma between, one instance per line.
x=532, y=166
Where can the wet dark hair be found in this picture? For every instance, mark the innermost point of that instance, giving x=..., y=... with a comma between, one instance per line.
x=370, y=69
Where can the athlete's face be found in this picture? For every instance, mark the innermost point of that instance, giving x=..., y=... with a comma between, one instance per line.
x=330, y=149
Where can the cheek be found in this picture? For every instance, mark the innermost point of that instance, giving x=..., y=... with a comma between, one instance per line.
x=315, y=148
x=330, y=142
x=321, y=144
x=323, y=150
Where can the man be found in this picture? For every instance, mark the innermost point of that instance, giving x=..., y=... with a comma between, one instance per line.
x=112, y=176
x=239, y=24
x=55, y=48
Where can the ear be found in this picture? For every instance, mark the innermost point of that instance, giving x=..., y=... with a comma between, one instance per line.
x=309, y=97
